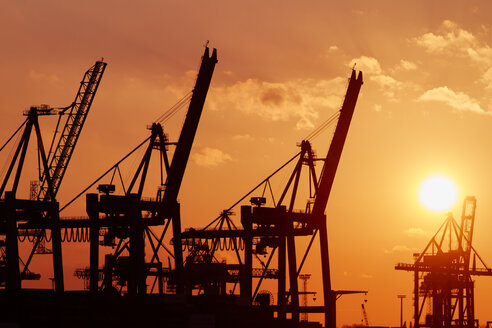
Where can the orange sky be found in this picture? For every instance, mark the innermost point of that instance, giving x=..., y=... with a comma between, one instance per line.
x=424, y=108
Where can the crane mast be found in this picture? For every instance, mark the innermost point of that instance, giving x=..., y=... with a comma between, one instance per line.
x=79, y=109
x=467, y=224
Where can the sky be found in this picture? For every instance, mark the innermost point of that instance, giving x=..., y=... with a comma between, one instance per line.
x=425, y=108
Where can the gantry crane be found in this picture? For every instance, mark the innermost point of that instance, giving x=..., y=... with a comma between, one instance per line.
x=127, y=219
x=18, y=215
x=443, y=275
x=77, y=114
x=276, y=228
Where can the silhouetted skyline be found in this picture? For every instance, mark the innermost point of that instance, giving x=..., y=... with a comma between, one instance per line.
x=283, y=69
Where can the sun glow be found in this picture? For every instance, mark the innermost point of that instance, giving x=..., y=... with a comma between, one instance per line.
x=438, y=193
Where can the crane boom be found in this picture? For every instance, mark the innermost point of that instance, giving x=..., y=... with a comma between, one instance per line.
x=70, y=134
x=334, y=153
x=188, y=131
x=324, y=188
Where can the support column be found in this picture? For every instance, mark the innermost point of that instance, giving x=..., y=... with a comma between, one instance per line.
x=294, y=290
x=282, y=266
x=178, y=250
x=247, y=269
x=108, y=274
x=92, y=211
x=416, y=317
x=470, y=304
x=12, y=245
x=329, y=297
x=136, y=283
x=57, y=247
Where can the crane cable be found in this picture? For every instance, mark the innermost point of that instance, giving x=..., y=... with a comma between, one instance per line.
x=333, y=118
x=324, y=125
x=161, y=119
x=104, y=174
x=12, y=149
x=174, y=109
x=13, y=135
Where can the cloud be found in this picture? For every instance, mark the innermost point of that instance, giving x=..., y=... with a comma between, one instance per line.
x=452, y=40
x=297, y=100
x=386, y=83
x=487, y=78
x=398, y=249
x=366, y=276
x=377, y=107
x=243, y=137
x=333, y=49
x=50, y=78
x=457, y=100
x=210, y=157
x=406, y=65
x=417, y=232
x=369, y=65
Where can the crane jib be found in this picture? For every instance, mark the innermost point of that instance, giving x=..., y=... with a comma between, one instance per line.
x=188, y=131
x=336, y=146
x=79, y=109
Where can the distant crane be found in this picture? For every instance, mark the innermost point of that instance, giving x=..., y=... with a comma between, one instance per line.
x=304, y=292
x=278, y=227
x=365, y=321
x=443, y=274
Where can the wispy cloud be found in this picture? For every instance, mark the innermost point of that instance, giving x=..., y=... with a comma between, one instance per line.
x=371, y=67
x=333, y=49
x=243, y=137
x=38, y=76
x=300, y=100
x=398, y=249
x=406, y=65
x=452, y=40
x=457, y=100
x=211, y=157
x=417, y=232
x=487, y=78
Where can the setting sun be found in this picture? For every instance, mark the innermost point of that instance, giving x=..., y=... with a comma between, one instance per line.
x=438, y=193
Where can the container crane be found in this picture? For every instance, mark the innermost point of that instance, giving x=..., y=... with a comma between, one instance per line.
x=443, y=274
x=276, y=227
x=77, y=114
x=130, y=217
x=20, y=214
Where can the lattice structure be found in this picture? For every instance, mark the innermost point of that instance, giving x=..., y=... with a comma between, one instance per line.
x=78, y=110
x=443, y=275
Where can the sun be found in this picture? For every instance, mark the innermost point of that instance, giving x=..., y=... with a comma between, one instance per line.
x=438, y=193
